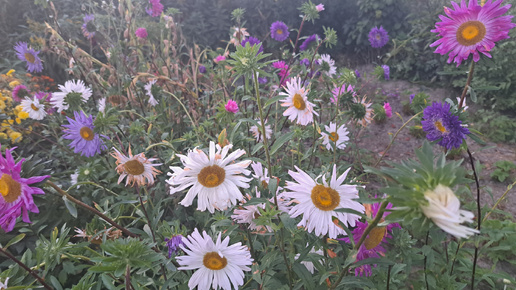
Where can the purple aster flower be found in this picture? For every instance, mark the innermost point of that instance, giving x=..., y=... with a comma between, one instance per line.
x=357, y=73
x=308, y=41
x=20, y=92
x=30, y=56
x=155, y=9
x=279, y=31
x=378, y=37
x=16, y=198
x=173, y=244
x=141, y=33
x=440, y=124
x=263, y=80
x=202, y=69
x=253, y=41
x=305, y=62
x=81, y=132
x=412, y=97
x=88, y=27
x=386, y=72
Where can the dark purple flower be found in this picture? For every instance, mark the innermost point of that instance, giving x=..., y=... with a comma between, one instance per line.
x=173, y=244
x=305, y=62
x=253, y=41
x=202, y=69
x=80, y=131
x=279, y=31
x=155, y=9
x=263, y=80
x=308, y=41
x=357, y=74
x=386, y=72
x=88, y=27
x=412, y=97
x=378, y=37
x=30, y=56
x=141, y=33
x=440, y=124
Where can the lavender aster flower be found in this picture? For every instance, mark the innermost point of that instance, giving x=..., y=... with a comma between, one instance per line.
x=386, y=72
x=88, y=27
x=253, y=41
x=80, y=130
x=173, y=244
x=439, y=124
x=263, y=80
x=279, y=31
x=378, y=37
x=308, y=41
x=30, y=56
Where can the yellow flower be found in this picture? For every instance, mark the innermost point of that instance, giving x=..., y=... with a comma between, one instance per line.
x=10, y=72
x=14, y=83
x=15, y=136
x=5, y=124
x=3, y=136
x=18, y=109
x=11, y=121
x=23, y=115
x=2, y=105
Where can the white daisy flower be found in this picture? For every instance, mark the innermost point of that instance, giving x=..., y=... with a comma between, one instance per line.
x=317, y=202
x=148, y=91
x=102, y=105
x=137, y=168
x=298, y=105
x=218, y=264
x=339, y=136
x=308, y=264
x=261, y=173
x=331, y=63
x=368, y=116
x=214, y=178
x=34, y=108
x=444, y=210
x=257, y=133
x=70, y=92
x=4, y=284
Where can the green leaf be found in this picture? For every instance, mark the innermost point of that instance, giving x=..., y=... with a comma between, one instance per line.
x=280, y=141
x=15, y=240
x=70, y=206
x=304, y=275
x=273, y=100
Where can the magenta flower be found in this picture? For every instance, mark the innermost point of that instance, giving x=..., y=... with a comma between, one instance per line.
x=155, y=9
x=219, y=58
x=388, y=109
x=319, y=7
x=20, y=92
x=279, y=31
x=231, y=106
x=141, y=33
x=283, y=73
x=337, y=92
x=16, y=194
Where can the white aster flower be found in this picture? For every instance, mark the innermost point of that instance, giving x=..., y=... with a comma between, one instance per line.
x=444, y=210
x=297, y=102
x=102, y=105
x=34, y=108
x=136, y=168
x=218, y=264
x=308, y=264
x=257, y=133
x=339, y=136
x=3, y=285
x=148, y=91
x=70, y=92
x=317, y=202
x=331, y=63
x=368, y=116
x=213, y=178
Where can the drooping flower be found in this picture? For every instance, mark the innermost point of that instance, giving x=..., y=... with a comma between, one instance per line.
x=174, y=244
x=239, y=35
x=279, y=31
x=317, y=202
x=35, y=109
x=308, y=41
x=412, y=96
x=16, y=193
x=471, y=29
x=20, y=92
x=252, y=42
x=136, y=168
x=372, y=245
x=219, y=58
x=148, y=91
x=440, y=124
x=337, y=136
x=330, y=69
x=337, y=92
x=71, y=93
x=80, y=131
x=364, y=113
x=319, y=7
x=444, y=210
x=297, y=102
x=217, y=264
x=214, y=178
x=386, y=72
x=231, y=106
x=102, y=105
x=378, y=37
x=155, y=9
x=202, y=69
x=257, y=132
x=141, y=32
x=88, y=27
x=30, y=56
x=388, y=109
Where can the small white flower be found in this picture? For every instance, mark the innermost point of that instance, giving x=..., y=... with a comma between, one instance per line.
x=74, y=178
x=257, y=133
x=102, y=105
x=444, y=210
x=331, y=63
x=464, y=107
x=34, y=108
x=60, y=100
x=148, y=91
x=338, y=137
x=3, y=286
x=297, y=102
x=217, y=264
x=308, y=264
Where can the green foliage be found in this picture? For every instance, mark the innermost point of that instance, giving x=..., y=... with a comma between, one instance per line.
x=497, y=127
x=503, y=170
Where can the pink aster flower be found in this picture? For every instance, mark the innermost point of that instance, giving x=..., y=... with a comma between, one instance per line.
x=388, y=109
x=471, y=29
x=219, y=58
x=319, y=7
x=231, y=106
x=337, y=92
x=16, y=194
x=141, y=33
x=155, y=9
x=20, y=92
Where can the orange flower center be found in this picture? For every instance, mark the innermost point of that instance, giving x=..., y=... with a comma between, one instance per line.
x=298, y=101
x=86, y=133
x=10, y=188
x=471, y=32
x=279, y=31
x=375, y=237
x=325, y=198
x=34, y=107
x=440, y=126
x=334, y=136
x=214, y=261
x=30, y=57
x=211, y=176
x=134, y=167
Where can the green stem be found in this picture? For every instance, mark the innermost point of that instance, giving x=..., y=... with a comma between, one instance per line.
x=468, y=82
x=21, y=264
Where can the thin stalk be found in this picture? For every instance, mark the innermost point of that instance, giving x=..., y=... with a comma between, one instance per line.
x=479, y=212
x=426, y=275
x=498, y=201
x=128, y=278
x=32, y=273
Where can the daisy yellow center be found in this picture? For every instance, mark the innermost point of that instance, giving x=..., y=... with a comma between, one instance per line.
x=211, y=176
x=10, y=188
x=471, y=32
x=334, y=136
x=298, y=102
x=86, y=133
x=134, y=167
x=30, y=57
x=440, y=126
x=325, y=198
x=214, y=261
x=34, y=107
x=279, y=31
x=375, y=237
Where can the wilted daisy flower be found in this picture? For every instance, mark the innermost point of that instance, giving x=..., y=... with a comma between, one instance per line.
x=35, y=109
x=378, y=37
x=173, y=244
x=444, y=210
x=440, y=124
x=136, y=168
x=297, y=102
x=308, y=41
x=308, y=264
x=141, y=32
x=246, y=214
x=257, y=133
x=148, y=91
x=338, y=137
x=102, y=105
x=214, y=178
x=252, y=42
x=218, y=264
x=20, y=92
x=471, y=29
x=372, y=245
x=88, y=27
x=238, y=35
x=16, y=194
x=279, y=31
x=317, y=202
x=337, y=92
x=362, y=111
x=80, y=131
x=30, y=56
x=73, y=93
x=328, y=65
x=155, y=9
